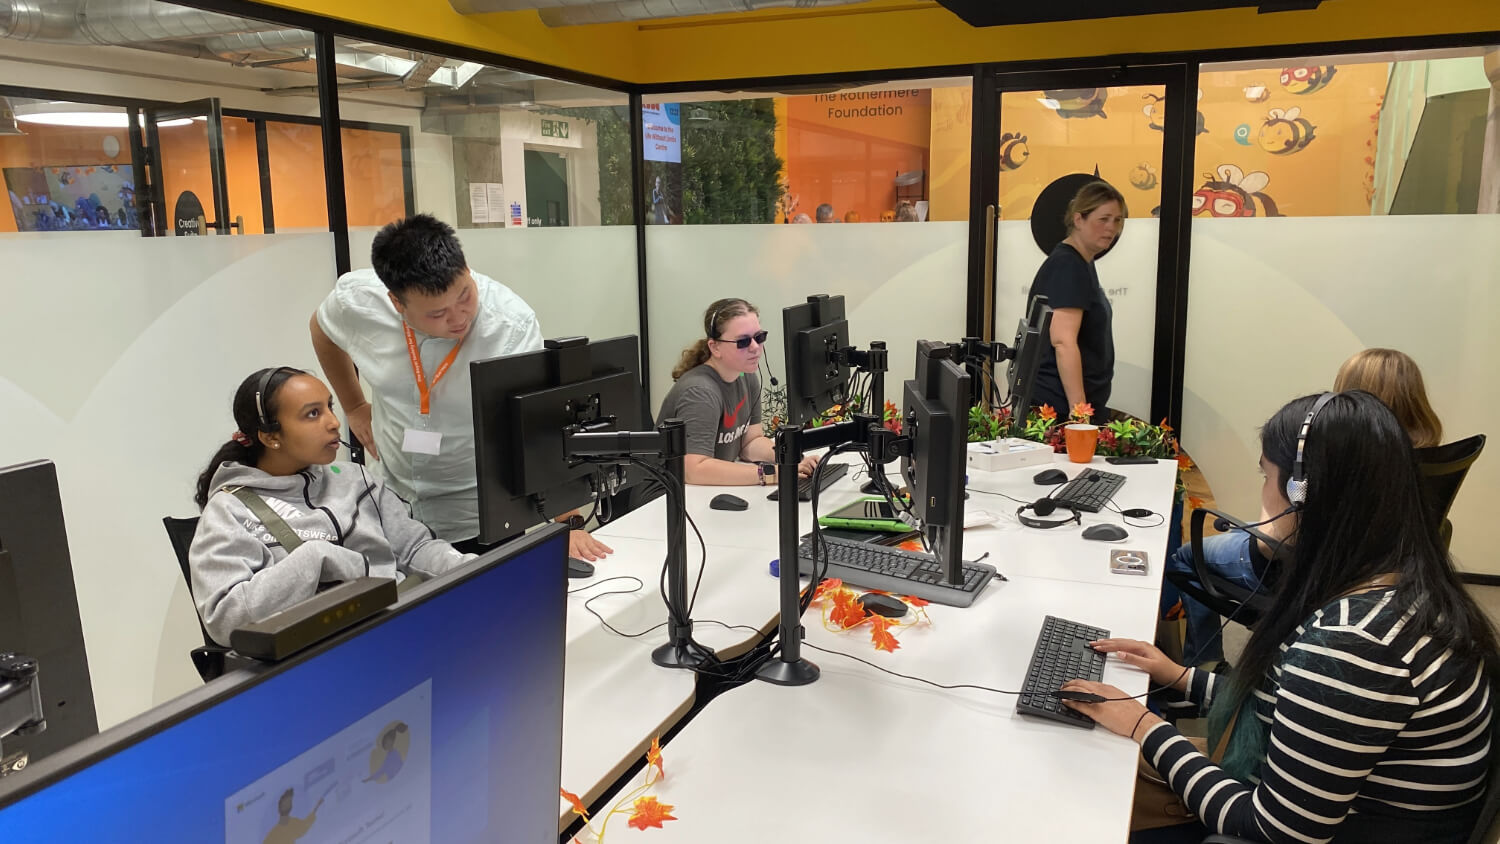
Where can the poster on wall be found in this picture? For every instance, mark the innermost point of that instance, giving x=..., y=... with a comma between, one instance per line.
x=187, y=215
x=663, y=132
x=85, y=197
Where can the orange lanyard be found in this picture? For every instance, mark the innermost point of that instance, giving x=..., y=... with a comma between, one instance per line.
x=424, y=390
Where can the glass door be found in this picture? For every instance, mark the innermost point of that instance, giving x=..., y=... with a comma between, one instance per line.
x=189, y=189
x=1056, y=133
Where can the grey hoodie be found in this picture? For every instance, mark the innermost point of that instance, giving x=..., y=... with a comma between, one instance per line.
x=241, y=574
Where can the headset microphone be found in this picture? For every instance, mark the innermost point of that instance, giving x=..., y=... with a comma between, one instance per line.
x=1223, y=525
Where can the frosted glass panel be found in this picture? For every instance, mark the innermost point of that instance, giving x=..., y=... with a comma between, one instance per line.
x=120, y=369
x=1276, y=305
x=580, y=281
x=902, y=283
x=1128, y=275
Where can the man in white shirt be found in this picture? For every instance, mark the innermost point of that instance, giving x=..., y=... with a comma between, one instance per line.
x=412, y=325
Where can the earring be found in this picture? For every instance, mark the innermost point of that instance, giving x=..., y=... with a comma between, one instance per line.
x=275, y=445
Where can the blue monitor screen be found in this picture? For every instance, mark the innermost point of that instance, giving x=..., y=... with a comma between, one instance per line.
x=440, y=723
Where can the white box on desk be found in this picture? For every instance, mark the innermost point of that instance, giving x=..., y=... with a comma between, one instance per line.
x=1009, y=453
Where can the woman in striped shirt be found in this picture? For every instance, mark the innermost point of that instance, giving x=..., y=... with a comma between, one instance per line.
x=1360, y=709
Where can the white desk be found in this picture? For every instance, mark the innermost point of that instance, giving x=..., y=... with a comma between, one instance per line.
x=861, y=752
x=952, y=764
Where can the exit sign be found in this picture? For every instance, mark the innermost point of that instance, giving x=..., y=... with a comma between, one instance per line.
x=554, y=128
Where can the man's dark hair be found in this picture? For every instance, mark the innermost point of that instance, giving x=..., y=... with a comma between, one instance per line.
x=419, y=253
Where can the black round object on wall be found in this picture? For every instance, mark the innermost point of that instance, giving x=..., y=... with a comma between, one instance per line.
x=1047, y=226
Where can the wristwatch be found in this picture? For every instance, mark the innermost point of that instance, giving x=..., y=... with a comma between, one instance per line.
x=765, y=472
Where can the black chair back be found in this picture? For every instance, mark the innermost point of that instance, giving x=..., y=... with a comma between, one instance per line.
x=1444, y=468
x=209, y=659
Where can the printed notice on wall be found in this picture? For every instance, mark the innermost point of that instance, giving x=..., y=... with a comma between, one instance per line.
x=486, y=202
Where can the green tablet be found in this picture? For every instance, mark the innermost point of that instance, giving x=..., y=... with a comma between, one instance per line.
x=866, y=514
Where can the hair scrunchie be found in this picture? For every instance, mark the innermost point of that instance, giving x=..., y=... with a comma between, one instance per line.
x=239, y=437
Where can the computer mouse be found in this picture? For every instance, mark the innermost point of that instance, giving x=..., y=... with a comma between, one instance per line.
x=878, y=604
x=1049, y=477
x=728, y=502
x=1081, y=697
x=580, y=568
x=1106, y=533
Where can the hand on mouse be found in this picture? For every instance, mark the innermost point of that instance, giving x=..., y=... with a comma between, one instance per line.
x=1147, y=657
x=584, y=546
x=1118, y=716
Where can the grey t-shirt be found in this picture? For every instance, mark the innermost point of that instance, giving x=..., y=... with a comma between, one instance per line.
x=717, y=412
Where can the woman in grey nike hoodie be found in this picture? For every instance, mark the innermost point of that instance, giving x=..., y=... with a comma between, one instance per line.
x=349, y=524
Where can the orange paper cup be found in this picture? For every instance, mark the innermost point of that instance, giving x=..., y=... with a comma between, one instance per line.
x=1081, y=440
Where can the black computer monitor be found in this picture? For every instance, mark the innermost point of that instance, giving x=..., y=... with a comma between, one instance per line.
x=39, y=609
x=437, y=720
x=817, y=376
x=936, y=418
x=1033, y=334
x=523, y=403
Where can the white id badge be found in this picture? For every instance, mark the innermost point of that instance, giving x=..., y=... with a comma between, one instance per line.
x=421, y=442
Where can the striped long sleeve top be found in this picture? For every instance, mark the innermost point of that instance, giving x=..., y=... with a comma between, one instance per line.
x=1376, y=734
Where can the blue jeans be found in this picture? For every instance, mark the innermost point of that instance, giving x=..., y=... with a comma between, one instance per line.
x=1227, y=555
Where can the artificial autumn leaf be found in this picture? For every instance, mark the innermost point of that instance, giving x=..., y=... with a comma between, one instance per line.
x=578, y=808
x=876, y=592
x=913, y=600
x=648, y=813
x=880, y=634
x=848, y=614
x=832, y=584
x=653, y=755
x=1195, y=502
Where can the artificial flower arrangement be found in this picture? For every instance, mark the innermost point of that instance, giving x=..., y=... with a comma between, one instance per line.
x=1121, y=437
x=844, y=412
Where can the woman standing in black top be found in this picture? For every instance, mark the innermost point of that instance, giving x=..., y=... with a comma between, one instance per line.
x=1079, y=364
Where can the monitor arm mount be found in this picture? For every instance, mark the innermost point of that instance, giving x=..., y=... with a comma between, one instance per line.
x=20, y=702
x=883, y=446
x=876, y=361
x=587, y=442
x=980, y=355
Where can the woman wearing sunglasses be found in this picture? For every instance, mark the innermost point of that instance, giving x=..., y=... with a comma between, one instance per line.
x=718, y=395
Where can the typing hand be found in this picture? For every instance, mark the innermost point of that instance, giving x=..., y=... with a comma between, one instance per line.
x=807, y=466
x=1117, y=716
x=583, y=545
x=1147, y=657
x=359, y=423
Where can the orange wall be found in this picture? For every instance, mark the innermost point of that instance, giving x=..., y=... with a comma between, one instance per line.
x=58, y=146
x=372, y=169
x=846, y=148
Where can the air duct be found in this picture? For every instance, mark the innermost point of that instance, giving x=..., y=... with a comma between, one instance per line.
x=114, y=22
x=575, y=12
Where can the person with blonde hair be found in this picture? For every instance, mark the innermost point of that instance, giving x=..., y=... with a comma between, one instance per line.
x=1394, y=378
x=717, y=393
x=1388, y=375
x=1078, y=365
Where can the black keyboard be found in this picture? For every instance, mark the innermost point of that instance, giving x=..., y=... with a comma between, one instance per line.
x=894, y=570
x=829, y=473
x=1089, y=491
x=1062, y=653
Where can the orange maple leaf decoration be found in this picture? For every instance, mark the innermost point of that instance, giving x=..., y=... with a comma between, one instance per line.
x=847, y=610
x=648, y=813
x=913, y=600
x=831, y=585
x=578, y=808
x=1195, y=502
x=880, y=634
x=653, y=756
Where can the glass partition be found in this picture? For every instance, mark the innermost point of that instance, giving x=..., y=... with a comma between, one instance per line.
x=532, y=172
x=120, y=353
x=1339, y=208
x=729, y=177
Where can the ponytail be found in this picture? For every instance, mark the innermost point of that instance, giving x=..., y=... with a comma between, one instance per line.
x=254, y=411
x=231, y=451
x=693, y=356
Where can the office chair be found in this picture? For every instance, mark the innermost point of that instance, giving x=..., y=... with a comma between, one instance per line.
x=1486, y=829
x=209, y=659
x=1444, y=468
x=1224, y=597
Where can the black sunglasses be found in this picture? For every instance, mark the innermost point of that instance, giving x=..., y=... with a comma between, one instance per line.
x=744, y=342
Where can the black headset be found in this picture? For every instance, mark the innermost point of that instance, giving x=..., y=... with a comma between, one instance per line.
x=1046, y=507
x=268, y=424
x=1296, y=485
